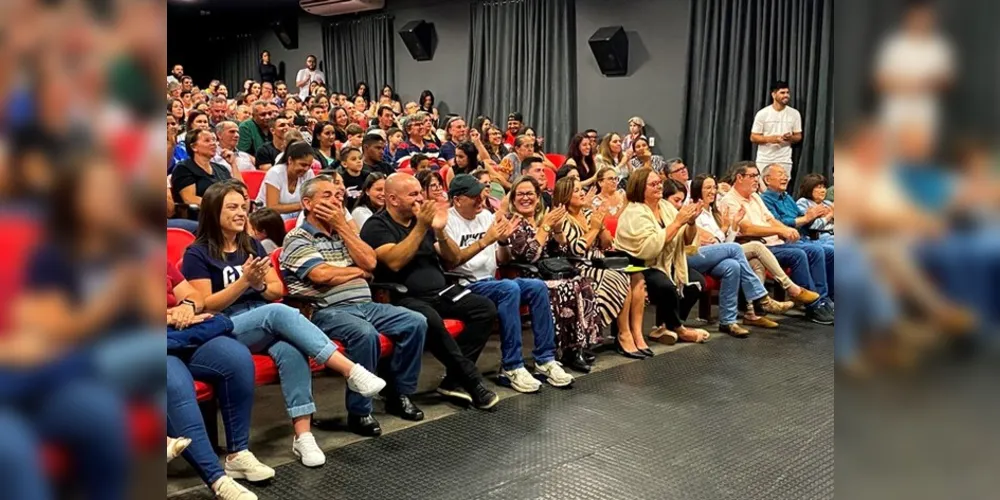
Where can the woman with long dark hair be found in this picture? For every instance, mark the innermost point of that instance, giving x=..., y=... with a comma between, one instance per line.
x=466, y=160
x=234, y=274
x=361, y=90
x=426, y=104
x=581, y=157
x=389, y=98
x=282, y=187
x=341, y=119
x=267, y=71
x=372, y=198
x=433, y=185
x=324, y=141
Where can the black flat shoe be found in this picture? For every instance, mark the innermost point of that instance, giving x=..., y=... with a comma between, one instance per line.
x=402, y=407
x=647, y=352
x=575, y=360
x=589, y=356
x=364, y=425
x=631, y=355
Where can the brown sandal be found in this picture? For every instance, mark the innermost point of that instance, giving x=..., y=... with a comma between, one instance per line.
x=662, y=335
x=700, y=336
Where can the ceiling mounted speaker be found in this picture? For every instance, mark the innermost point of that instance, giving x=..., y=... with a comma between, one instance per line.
x=420, y=39
x=610, y=48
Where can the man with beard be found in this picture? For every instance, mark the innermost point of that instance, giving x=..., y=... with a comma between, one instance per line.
x=776, y=128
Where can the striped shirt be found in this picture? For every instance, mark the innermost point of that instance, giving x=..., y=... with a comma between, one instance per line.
x=307, y=247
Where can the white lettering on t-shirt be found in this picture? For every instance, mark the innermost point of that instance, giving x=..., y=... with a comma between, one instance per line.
x=230, y=274
x=466, y=232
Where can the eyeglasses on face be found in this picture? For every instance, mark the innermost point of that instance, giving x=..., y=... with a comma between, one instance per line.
x=681, y=169
x=654, y=184
x=525, y=194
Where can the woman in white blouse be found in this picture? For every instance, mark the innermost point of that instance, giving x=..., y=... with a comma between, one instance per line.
x=716, y=227
x=282, y=189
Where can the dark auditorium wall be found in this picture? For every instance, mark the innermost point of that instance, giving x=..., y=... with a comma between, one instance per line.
x=654, y=87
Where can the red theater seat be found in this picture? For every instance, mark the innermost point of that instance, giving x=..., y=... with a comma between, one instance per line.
x=254, y=179
x=177, y=242
x=556, y=159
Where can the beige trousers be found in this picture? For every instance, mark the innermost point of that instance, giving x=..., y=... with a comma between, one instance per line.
x=761, y=259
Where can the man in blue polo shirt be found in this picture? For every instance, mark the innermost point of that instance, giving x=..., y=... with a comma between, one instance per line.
x=783, y=206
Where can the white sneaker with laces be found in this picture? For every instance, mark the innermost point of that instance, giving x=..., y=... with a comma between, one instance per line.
x=304, y=446
x=227, y=489
x=520, y=380
x=554, y=374
x=246, y=466
x=364, y=382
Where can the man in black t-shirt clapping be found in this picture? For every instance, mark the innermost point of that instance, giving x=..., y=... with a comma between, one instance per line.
x=410, y=244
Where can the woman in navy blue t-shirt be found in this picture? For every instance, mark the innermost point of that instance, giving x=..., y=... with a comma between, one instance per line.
x=231, y=269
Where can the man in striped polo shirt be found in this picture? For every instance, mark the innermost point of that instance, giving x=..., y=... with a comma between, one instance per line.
x=327, y=263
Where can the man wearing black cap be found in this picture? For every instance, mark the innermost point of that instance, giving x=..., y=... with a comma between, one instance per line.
x=514, y=122
x=477, y=233
x=411, y=245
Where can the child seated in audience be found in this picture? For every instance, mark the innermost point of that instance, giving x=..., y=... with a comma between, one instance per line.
x=419, y=163
x=267, y=227
x=355, y=134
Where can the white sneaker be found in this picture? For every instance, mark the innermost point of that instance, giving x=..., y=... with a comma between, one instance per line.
x=246, y=466
x=364, y=382
x=227, y=489
x=520, y=380
x=176, y=446
x=304, y=446
x=554, y=374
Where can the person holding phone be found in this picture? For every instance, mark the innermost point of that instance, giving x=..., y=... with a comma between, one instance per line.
x=230, y=269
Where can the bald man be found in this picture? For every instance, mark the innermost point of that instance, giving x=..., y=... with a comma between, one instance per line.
x=410, y=244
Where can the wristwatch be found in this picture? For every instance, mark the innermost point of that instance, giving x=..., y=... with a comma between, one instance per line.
x=194, y=307
x=547, y=228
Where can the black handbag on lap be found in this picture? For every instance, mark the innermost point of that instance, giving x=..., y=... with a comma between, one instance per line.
x=555, y=268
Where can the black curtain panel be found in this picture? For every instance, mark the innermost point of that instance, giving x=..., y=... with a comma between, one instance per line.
x=236, y=62
x=737, y=48
x=359, y=49
x=522, y=57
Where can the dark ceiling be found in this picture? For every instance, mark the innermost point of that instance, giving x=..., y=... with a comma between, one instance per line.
x=197, y=7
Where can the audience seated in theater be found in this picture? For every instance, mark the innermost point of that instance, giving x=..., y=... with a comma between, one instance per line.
x=716, y=226
x=324, y=142
x=228, y=135
x=195, y=120
x=643, y=157
x=727, y=263
x=514, y=122
x=811, y=264
x=325, y=260
x=482, y=124
x=234, y=274
x=416, y=131
x=341, y=121
x=410, y=244
x=256, y=131
x=581, y=157
x=620, y=297
x=573, y=301
x=386, y=119
x=373, y=147
x=268, y=153
x=783, y=206
x=492, y=147
x=533, y=167
x=812, y=193
x=455, y=133
x=479, y=238
x=432, y=185
x=674, y=169
x=431, y=133
x=355, y=136
x=389, y=99
x=654, y=234
x=267, y=227
x=200, y=346
x=372, y=198
x=427, y=105
x=192, y=177
x=353, y=171
x=636, y=129
x=282, y=186
x=608, y=195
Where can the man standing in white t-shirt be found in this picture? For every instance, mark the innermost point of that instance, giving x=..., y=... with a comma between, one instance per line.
x=477, y=233
x=308, y=75
x=776, y=128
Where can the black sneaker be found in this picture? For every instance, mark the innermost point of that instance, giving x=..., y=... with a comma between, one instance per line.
x=821, y=314
x=483, y=398
x=449, y=388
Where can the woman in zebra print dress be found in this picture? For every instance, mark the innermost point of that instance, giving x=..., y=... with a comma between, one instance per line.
x=619, y=297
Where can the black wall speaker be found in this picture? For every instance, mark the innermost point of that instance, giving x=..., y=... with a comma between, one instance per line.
x=420, y=39
x=287, y=31
x=610, y=47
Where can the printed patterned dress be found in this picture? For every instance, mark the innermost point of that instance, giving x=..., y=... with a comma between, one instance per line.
x=573, y=300
x=611, y=286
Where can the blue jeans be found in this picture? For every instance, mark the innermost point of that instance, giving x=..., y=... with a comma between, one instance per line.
x=226, y=365
x=88, y=419
x=508, y=295
x=357, y=326
x=867, y=307
x=811, y=264
x=727, y=263
x=289, y=338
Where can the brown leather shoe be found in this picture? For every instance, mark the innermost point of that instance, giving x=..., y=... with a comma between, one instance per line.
x=772, y=306
x=761, y=321
x=735, y=330
x=806, y=297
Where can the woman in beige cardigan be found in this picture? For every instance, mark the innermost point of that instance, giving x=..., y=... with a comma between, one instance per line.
x=654, y=234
